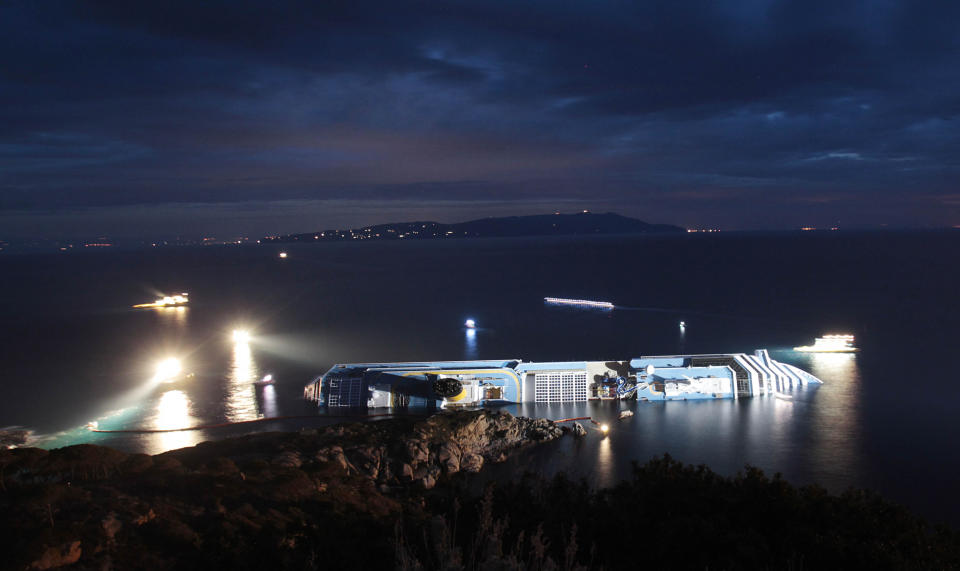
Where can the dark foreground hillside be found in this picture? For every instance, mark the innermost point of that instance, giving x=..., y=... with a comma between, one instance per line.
x=394, y=494
x=675, y=516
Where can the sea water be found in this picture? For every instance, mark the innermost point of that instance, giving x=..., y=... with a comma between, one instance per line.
x=73, y=351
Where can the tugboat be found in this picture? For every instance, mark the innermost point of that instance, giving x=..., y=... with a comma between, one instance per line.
x=167, y=301
x=830, y=344
x=266, y=380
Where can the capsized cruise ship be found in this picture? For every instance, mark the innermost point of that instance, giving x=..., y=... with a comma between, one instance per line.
x=447, y=384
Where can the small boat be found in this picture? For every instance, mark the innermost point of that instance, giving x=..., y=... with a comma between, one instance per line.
x=830, y=344
x=625, y=414
x=266, y=380
x=167, y=301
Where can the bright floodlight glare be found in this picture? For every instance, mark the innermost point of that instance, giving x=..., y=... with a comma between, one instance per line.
x=241, y=335
x=283, y=254
x=168, y=368
x=604, y=428
x=470, y=324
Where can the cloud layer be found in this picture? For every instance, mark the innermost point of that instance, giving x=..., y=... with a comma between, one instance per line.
x=740, y=114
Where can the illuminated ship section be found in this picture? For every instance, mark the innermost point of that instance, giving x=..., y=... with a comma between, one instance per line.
x=449, y=384
x=730, y=375
x=438, y=384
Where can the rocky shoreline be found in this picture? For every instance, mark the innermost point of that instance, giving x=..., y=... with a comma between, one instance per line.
x=288, y=497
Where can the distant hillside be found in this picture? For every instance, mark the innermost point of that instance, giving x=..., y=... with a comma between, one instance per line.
x=537, y=225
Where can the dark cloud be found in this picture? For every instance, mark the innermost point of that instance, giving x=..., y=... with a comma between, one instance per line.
x=669, y=110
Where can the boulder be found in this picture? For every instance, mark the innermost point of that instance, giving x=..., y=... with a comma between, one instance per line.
x=58, y=556
x=366, y=459
x=417, y=451
x=335, y=455
x=471, y=463
x=449, y=456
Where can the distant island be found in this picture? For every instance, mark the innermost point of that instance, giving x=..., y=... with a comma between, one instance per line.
x=580, y=223
x=511, y=226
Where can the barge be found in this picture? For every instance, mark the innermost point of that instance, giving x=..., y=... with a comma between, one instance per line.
x=830, y=344
x=449, y=384
x=578, y=302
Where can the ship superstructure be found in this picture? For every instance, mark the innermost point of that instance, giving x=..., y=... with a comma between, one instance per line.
x=444, y=384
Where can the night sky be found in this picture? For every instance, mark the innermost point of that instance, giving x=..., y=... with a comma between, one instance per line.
x=236, y=117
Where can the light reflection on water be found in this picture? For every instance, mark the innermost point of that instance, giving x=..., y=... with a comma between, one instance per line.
x=173, y=316
x=605, y=472
x=837, y=435
x=173, y=411
x=268, y=402
x=470, y=344
x=241, y=399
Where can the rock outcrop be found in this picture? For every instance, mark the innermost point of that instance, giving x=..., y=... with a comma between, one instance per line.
x=442, y=444
x=218, y=503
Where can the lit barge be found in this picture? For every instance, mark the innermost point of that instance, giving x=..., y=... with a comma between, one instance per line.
x=580, y=302
x=830, y=344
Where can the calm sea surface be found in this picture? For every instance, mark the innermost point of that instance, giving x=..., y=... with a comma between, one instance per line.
x=72, y=350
